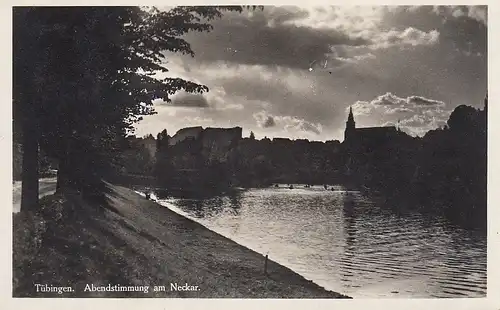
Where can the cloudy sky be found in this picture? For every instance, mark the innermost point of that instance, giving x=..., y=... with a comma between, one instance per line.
x=295, y=71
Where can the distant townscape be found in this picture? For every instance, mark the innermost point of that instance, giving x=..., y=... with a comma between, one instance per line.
x=444, y=170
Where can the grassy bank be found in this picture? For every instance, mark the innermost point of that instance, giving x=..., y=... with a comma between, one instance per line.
x=136, y=242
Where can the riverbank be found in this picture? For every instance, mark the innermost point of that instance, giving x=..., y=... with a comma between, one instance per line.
x=136, y=242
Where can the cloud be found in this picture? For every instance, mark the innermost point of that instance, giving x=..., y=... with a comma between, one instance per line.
x=416, y=114
x=189, y=100
x=213, y=101
x=478, y=13
x=461, y=28
x=365, y=23
x=354, y=59
x=277, y=91
x=265, y=38
x=290, y=124
x=269, y=122
x=421, y=101
x=260, y=118
x=314, y=128
x=361, y=108
x=349, y=19
x=408, y=37
x=419, y=125
x=293, y=37
x=389, y=99
x=264, y=120
x=399, y=110
x=471, y=39
x=415, y=120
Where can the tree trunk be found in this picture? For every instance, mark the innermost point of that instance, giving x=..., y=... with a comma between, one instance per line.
x=64, y=172
x=65, y=177
x=30, y=190
x=62, y=179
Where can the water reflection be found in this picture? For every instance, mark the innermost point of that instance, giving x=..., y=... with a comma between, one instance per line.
x=207, y=206
x=350, y=242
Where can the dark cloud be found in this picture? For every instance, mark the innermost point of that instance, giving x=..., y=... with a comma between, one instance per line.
x=267, y=40
x=471, y=39
x=261, y=118
x=288, y=123
x=282, y=14
x=190, y=101
x=306, y=126
x=264, y=120
x=421, y=101
x=269, y=122
x=477, y=13
x=463, y=28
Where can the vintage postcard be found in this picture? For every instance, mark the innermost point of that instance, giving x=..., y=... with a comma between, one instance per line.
x=251, y=152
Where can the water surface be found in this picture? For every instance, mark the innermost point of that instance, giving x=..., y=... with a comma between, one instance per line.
x=348, y=242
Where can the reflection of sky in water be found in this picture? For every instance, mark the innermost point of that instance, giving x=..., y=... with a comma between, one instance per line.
x=347, y=243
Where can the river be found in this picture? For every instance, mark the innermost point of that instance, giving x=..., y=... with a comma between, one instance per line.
x=348, y=242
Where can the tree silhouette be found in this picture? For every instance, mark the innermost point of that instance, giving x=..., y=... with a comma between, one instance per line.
x=463, y=118
x=252, y=135
x=84, y=75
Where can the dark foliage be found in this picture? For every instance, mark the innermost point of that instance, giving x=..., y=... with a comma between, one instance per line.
x=443, y=172
x=84, y=75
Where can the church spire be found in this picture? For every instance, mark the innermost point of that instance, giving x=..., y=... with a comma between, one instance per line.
x=350, y=125
x=350, y=118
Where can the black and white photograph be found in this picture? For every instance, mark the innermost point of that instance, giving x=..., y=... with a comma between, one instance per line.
x=250, y=152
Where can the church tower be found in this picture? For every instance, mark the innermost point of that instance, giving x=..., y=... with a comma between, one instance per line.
x=350, y=125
